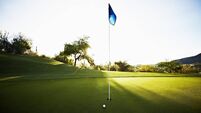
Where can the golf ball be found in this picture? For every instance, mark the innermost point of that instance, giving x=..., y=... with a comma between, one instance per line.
x=104, y=106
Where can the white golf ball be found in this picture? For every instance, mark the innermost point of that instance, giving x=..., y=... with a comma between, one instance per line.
x=104, y=106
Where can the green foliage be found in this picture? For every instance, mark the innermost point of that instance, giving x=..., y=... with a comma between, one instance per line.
x=5, y=45
x=63, y=58
x=146, y=68
x=89, y=59
x=131, y=69
x=162, y=67
x=169, y=67
x=43, y=56
x=114, y=67
x=20, y=44
x=189, y=68
x=83, y=66
x=198, y=67
x=31, y=53
x=78, y=50
x=123, y=65
x=100, y=67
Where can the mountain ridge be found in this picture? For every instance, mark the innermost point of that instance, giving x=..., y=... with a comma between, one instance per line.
x=190, y=60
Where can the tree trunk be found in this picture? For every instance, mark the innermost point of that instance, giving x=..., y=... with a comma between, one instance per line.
x=75, y=61
x=76, y=58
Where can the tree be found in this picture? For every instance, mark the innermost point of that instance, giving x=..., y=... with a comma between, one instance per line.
x=123, y=65
x=20, y=44
x=146, y=68
x=5, y=45
x=114, y=67
x=78, y=50
x=63, y=58
x=170, y=67
x=101, y=67
x=190, y=68
x=89, y=59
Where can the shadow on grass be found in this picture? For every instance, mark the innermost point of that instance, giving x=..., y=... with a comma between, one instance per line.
x=54, y=96
x=144, y=101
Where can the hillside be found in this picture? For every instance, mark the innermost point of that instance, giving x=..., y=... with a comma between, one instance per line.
x=37, y=67
x=29, y=67
x=190, y=60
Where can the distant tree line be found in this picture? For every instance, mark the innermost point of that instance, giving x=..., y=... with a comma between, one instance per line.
x=18, y=45
x=162, y=67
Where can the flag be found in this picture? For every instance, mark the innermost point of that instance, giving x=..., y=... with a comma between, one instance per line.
x=112, y=15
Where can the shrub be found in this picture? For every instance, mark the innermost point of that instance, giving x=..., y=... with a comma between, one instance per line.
x=20, y=44
x=169, y=67
x=123, y=65
x=101, y=67
x=146, y=68
x=5, y=45
x=189, y=68
x=114, y=67
x=64, y=59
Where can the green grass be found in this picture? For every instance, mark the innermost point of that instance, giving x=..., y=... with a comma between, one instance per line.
x=29, y=67
x=36, y=85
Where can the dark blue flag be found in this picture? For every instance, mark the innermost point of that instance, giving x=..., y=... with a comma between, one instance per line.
x=112, y=16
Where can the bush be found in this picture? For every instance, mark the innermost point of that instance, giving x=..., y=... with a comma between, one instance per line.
x=20, y=44
x=198, y=66
x=114, y=67
x=83, y=66
x=123, y=65
x=64, y=59
x=189, y=68
x=146, y=68
x=31, y=53
x=169, y=67
x=45, y=57
x=101, y=67
x=131, y=68
x=5, y=45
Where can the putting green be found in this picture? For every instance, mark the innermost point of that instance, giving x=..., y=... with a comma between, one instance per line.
x=87, y=95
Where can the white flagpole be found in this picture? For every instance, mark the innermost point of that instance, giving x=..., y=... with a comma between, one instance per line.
x=109, y=98
x=109, y=48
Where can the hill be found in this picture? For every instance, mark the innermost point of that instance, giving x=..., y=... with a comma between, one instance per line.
x=38, y=67
x=32, y=67
x=190, y=60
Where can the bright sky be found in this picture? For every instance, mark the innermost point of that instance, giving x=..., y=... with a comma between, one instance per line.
x=146, y=31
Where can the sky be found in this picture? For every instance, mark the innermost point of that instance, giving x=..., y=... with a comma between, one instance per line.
x=146, y=31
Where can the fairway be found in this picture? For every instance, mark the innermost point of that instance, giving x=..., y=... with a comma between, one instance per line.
x=87, y=95
x=38, y=85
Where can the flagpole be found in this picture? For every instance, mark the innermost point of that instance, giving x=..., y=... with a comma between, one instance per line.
x=109, y=98
x=112, y=20
x=109, y=47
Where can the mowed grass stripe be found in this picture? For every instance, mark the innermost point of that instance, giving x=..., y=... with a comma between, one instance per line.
x=157, y=95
